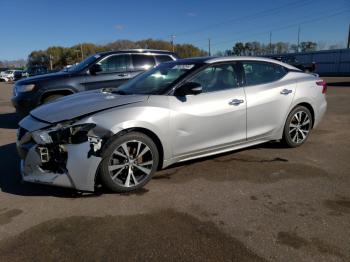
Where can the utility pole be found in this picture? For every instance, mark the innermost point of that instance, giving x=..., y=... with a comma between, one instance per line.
x=209, y=52
x=50, y=58
x=270, y=45
x=81, y=50
x=349, y=37
x=298, y=46
x=172, y=42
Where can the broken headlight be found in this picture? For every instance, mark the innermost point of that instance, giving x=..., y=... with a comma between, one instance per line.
x=72, y=134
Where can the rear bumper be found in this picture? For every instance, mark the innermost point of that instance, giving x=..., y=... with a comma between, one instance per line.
x=320, y=113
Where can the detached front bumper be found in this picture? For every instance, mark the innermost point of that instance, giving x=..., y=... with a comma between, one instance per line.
x=78, y=171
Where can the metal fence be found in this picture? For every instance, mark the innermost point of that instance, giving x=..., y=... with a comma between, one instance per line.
x=328, y=62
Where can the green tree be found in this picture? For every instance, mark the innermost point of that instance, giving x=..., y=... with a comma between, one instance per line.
x=63, y=56
x=38, y=58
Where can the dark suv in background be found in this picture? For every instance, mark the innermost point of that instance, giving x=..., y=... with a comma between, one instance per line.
x=306, y=67
x=102, y=70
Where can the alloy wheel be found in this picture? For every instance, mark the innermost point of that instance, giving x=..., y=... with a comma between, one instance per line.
x=130, y=163
x=299, y=127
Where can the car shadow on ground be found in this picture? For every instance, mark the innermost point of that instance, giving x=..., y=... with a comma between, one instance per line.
x=267, y=145
x=10, y=178
x=9, y=120
x=344, y=84
x=11, y=182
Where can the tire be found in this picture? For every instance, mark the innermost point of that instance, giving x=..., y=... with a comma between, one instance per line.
x=121, y=170
x=51, y=98
x=297, y=127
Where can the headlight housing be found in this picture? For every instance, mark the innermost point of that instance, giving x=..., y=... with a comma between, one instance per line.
x=24, y=88
x=42, y=137
x=71, y=134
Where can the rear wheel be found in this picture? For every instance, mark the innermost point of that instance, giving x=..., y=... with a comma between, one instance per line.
x=297, y=127
x=129, y=162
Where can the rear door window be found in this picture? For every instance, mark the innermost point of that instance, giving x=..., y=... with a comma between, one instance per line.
x=115, y=63
x=257, y=73
x=142, y=62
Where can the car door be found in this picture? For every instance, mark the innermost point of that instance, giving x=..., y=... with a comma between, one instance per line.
x=210, y=120
x=269, y=96
x=115, y=70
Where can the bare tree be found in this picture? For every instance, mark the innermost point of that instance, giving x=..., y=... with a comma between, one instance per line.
x=308, y=46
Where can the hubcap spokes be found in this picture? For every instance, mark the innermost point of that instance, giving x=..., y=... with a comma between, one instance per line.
x=299, y=127
x=131, y=163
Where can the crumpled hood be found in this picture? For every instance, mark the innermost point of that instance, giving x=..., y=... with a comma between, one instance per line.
x=80, y=104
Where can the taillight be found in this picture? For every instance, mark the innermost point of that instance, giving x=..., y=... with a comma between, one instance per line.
x=323, y=84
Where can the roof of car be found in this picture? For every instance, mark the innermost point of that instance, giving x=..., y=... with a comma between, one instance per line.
x=136, y=51
x=210, y=60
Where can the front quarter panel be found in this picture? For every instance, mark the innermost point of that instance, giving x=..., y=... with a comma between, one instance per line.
x=152, y=114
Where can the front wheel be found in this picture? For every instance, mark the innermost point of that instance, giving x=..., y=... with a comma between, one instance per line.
x=52, y=98
x=129, y=162
x=297, y=127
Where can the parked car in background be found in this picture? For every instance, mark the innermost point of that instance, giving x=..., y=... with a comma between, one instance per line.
x=103, y=70
x=306, y=67
x=2, y=70
x=2, y=75
x=11, y=75
x=177, y=111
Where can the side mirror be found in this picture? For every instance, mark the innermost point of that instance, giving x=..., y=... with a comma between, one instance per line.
x=95, y=68
x=189, y=88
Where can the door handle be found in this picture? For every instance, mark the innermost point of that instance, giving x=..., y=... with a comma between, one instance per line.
x=236, y=102
x=286, y=91
x=123, y=74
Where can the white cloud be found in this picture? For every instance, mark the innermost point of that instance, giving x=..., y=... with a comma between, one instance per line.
x=191, y=14
x=119, y=27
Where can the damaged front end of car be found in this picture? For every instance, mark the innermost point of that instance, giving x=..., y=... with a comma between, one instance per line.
x=65, y=154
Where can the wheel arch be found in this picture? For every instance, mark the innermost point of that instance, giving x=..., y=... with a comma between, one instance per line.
x=309, y=107
x=148, y=133
x=63, y=91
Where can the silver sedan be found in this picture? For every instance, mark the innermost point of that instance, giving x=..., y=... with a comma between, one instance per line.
x=177, y=111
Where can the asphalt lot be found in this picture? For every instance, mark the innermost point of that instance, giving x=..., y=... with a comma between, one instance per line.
x=262, y=203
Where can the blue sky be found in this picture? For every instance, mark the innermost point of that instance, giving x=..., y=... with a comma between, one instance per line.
x=37, y=24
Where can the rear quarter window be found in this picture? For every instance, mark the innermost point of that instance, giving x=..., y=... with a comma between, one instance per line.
x=142, y=62
x=163, y=58
x=257, y=73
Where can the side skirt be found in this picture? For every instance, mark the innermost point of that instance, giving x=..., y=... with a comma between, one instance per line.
x=215, y=151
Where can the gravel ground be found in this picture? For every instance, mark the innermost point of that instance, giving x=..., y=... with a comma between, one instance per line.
x=265, y=203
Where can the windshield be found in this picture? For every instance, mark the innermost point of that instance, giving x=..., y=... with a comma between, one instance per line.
x=157, y=80
x=88, y=61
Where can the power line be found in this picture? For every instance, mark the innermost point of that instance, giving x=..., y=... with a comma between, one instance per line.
x=244, y=32
x=253, y=16
x=236, y=33
x=290, y=25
